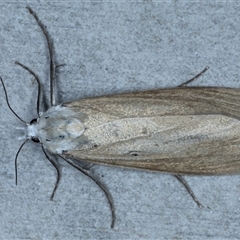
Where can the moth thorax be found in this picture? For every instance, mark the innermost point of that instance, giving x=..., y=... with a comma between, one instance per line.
x=58, y=129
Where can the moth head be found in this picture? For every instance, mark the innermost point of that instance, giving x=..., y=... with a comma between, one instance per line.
x=34, y=137
x=31, y=130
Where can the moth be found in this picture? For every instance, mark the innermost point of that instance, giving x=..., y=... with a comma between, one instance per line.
x=182, y=130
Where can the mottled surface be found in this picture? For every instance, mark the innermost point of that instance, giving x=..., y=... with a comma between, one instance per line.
x=113, y=48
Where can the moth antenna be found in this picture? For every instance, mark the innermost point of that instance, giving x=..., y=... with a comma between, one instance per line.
x=6, y=96
x=190, y=191
x=38, y=82
x=192, y=79
x=100, y=185
x=58, y=172
x=50, y=51
x=16, y=157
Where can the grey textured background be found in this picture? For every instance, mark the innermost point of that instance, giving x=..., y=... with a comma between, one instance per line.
x=113, y=47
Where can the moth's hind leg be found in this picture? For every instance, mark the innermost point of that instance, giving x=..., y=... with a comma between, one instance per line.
x=184, y=182
x=194, y=78
x=96, y=180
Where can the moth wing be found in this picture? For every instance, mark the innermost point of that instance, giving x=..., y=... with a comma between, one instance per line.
x=184, y=130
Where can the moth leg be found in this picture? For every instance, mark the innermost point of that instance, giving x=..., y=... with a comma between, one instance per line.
x=194, y=78
x=97, y=181
x=184, y=182
x=54, y=163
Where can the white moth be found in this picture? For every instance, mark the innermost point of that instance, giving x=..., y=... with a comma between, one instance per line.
x=179, y=131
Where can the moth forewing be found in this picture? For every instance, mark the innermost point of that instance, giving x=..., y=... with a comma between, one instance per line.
x=179, y=131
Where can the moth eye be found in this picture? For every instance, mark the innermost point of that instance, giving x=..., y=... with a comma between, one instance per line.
x=95, y=145
x=61, y=136
x=35, y=139
x=33, y=121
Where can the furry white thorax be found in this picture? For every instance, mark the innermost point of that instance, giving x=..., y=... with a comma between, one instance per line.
x=57, y=129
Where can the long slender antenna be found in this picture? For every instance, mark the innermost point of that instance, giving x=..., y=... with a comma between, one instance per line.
x=6, y=96
x=50, y=50
x=104, y=189
x=16, y=157
x=38, y=81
